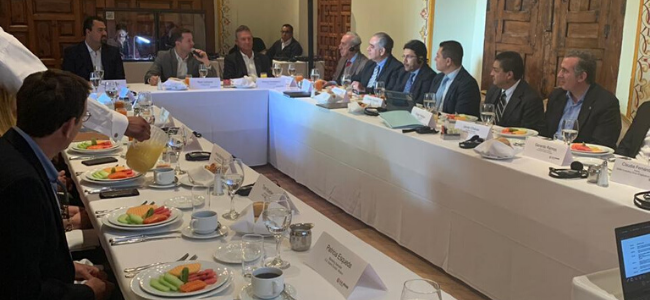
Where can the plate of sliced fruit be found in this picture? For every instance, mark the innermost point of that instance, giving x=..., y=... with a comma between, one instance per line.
x=584, y=149
x=112, y=175
x=514, y=132
x=142, y=216
x=94, y=146
x=182, y=279
x=452, y=118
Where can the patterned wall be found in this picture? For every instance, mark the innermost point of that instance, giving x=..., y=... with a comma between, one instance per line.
x=640, y=85
x=225, y=40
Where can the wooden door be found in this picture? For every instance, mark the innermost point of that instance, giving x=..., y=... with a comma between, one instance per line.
x=333, y=23
x=542, y=31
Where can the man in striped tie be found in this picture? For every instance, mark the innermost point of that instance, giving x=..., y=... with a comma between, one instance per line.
x=416, y=76
x=383, y=66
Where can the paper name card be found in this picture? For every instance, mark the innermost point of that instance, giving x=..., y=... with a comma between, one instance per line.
x=121, y=84
x=425, y=117
x=205, y=83
x=193, y=143
x=270, y=83
x=631, y=173
x=264, y=188
x=548, y=151
x=341, y=267
x=342, y=94
x=219, y=155
x=472, y=129
x=373, y=101
x=324, y=98
x=306, y=86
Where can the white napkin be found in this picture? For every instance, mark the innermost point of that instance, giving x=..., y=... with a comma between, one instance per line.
x=324, y=98
x=192, y=141
x=495, y=149
x=174, y=84
x=81, y=239
x=201, y=175
x=245, y=82
x=247, y=224
x=355, y=108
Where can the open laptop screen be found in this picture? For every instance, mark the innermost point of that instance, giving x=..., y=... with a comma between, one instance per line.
x=633, y=243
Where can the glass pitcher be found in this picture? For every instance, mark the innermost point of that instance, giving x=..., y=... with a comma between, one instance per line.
x=142, y=156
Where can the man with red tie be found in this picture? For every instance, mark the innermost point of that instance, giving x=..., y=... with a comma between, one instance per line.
x=352, y=61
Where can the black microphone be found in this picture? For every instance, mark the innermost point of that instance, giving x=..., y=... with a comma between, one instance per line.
x=196, y=52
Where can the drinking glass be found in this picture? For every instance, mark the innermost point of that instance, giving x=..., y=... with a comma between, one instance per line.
x=252, y=248
x=421, y=289
x=277, y=218
x=97, y=70
x=112, y=91
x=429, y=103
x=146, y=107
x=203, y=71
x=299, y=79
x=292, y=69
x=315, y=75
x=487, y=113
x=176, y=143
x=96, y=80
x=380, y=89
x=277, y=70
x=200, y=194
x=346, y=80
x=569, y=130
x=187, y=79
x=232, y=179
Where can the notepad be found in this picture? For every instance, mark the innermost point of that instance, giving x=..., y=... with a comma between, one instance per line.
x=400, y=119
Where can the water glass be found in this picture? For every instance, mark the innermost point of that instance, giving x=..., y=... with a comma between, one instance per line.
x=421, y=289
x=232, y=179
x=176, y=144
x=200, y=198
x=98, y=70
x=277, y=70
x=96, y=80
x=569, y=130
x=277, y=218
x=380, y=89
x=487, y=113
x=315, y=75
x=252, y=248
x=346, y=80
x=203, y=71
x=292, y=69
x=112, y=90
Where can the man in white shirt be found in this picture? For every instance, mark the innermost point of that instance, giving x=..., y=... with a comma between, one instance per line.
x=17, y=62
x=245, y=62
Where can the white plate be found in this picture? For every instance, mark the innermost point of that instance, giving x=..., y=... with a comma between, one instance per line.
x=112, y=218
x=222, y=272
x=135, y=287
x=247, y=293
x=176, y=215
x=229, y=253
x=183, y=202
x=529, y=132
x=589, y=161
x=154, y=185
x=184, y=180
x=115, y=146
x=497, y=157
x=221, y=231
x=606, y=151
x=469, y=118
x=89, y=177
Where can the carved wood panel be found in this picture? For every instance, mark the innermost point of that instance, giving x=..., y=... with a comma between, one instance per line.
x=333, y=23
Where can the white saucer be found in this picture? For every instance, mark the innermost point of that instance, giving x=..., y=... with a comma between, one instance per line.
x=221, y=231
x=247, y=293
x=154, y=185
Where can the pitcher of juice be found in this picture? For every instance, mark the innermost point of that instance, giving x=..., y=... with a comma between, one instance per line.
x=142, y=156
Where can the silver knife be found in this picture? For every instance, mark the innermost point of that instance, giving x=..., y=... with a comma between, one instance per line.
x=143, y=239
x=136, y=236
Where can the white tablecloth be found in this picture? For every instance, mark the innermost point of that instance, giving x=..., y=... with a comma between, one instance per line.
x=307, y=282
x=234, y=118
x=604, y=285
x=504, y=227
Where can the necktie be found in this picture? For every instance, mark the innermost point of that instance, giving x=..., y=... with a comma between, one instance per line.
x=373, y=78
x=501, y=107
x=440, y=92
x=409, y=83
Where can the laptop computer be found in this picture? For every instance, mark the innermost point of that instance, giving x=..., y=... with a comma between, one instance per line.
x=633, y=243
x=399, y=101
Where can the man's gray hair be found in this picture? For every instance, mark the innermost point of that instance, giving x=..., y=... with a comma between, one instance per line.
x=356, y=39
x=385, y=41
x=586, y=63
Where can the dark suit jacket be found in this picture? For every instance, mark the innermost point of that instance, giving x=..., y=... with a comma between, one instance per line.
x=463, y=95
x=388, y=74
x=421, y=84
x=37, y=252
x=633, y=140
x=76, y=59
x=234, y=66
x=525, y=108
x=166, y=65
x=356, y=67
x=292, y=50
x=599, y=119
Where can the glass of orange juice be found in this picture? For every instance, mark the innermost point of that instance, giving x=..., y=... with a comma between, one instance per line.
x=187, y=79
x=299, y=79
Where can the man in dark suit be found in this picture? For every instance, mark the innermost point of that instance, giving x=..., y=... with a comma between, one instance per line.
x=456, y=90
x=383, y=66
x=245, y=62
x=51, y=107
x=417, y=75
x=581, y=98
x=286, y=47
x=516, y=103
x=179, y=61
x=93, y=53
x=352, y=60
x=636, y=135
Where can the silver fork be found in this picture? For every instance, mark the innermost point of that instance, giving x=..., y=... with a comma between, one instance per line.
x=131, y=272
x=194, y=257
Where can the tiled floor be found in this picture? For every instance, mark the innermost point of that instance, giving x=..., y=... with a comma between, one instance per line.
x=384, y=244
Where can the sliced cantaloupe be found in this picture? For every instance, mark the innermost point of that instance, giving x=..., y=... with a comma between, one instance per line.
x=140, y=210
x=193, y=268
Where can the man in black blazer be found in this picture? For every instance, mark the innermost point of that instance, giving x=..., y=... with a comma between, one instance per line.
x=286, y=47
x=580, y=98
x=456, y=90
x=245, y=62
x=516, y=103
x=352, y=60
x=634, y=139
x=51, y=107
x=416, y=76
x=83, y=58
x=382, y=65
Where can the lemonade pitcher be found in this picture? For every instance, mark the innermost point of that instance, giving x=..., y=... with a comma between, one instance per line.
x=142, y=156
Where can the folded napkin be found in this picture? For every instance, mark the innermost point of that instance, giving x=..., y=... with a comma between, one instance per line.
x=355, y=108
x=248, y=224
x=325, y=97
x=193, y=143
x=81, y=239
x=245, y=82
x=201, y=175
x=174, y=84
x=495, y=149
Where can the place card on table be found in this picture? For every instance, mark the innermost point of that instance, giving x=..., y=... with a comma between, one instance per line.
x=264, y=187
x=632, y=173
x=218, y=155
x=307, y=86
x=341, y=267
x=548, y=151
x=289, y=81
x=373, y=101
x=193, y=143
x=425, y=117
x=472, y=129
x=324, y=98
x=270, y=83
x=205, y=83
x=342, y=94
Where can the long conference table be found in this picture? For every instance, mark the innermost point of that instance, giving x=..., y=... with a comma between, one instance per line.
x=504, y=227
x=305, y=280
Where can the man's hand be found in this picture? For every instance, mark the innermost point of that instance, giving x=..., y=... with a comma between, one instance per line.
x=357, y=86
x=138, y=129
x=202, y=57
x=86, y=272
x=101, y=288
x=80, y=219
x=153, y=80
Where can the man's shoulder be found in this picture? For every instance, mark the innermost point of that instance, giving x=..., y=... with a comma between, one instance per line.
x=231, y=56
x=74, y=49
x=427, y=72
x=601, y=94
x=14, y=165
x=527, y=91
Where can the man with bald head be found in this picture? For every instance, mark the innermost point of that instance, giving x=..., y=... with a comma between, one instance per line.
x=352, y=60
x=383, y=66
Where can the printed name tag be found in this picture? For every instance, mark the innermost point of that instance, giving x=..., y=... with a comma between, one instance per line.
x=425, y=117
x=472, y=129
x=205, y=83
x=270, y=83
x=373, y=101
x=219, y=155
x=548, y=151
x=264, y=187
x=306, y=86
x=632, y=173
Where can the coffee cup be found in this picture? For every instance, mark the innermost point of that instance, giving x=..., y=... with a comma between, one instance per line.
x=164, y=176
x=204, y=222
x=267, y=282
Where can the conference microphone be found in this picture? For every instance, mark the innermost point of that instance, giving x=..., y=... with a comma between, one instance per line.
x=196, y=52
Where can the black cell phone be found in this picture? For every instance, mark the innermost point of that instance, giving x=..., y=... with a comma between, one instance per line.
x=119, y=193
x=197, y=53
x=99, y=161
x=197, y=156
x=245, y=190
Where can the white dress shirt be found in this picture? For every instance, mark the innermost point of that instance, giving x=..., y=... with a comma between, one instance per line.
x=511, y=91
x=250, y=64
x=96, y=57
x=644, y=152
x=17, y=62
x=284, y=44
x=181, y=67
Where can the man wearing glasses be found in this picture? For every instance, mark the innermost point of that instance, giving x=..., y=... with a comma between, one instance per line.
x=286, y=47
x=417, y=76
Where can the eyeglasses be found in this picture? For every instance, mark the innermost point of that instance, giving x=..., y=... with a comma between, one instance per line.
x=86, y=117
